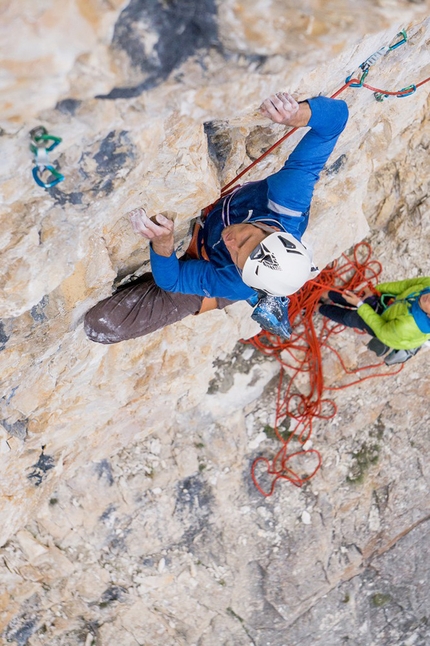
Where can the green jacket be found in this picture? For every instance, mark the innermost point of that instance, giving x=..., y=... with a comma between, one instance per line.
x=396, y=327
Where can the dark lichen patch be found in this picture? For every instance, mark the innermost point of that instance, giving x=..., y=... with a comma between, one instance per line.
x=381, y=496
x=104, y=470
x=17, y=429
x=336, y=166
x=21, y=634
x=363, y=459
x=148, y=561
x=4, y=338
x=24, y=625
x=68, y=106
x=193, y=507
x=180, y=28
x=107, y=514
x=81, y=636
x=378, y=429
x=380, y=599
x=97, y=169
x=11, y=395
x=219, y=142
x=37, y=312
x=193, y=494
x=39, y=470
x=114, y=593
x=113, y=153
x=62, y=198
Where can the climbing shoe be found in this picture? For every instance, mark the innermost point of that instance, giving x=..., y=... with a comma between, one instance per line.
x=271, y=313
x=400, y=356
x=376, y=346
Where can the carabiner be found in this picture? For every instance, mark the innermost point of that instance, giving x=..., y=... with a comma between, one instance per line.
x=53, y=138
x=37, y=132
x=402, y=41
x=380, y=96
x=41, y=144
x=360, y=80
x=406, y=91
x=38, y=170
x=39, y=140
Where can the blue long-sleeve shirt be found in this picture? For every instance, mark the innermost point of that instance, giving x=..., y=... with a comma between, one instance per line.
x=282, y=200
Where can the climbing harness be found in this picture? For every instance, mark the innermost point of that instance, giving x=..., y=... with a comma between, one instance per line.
x=41, y=144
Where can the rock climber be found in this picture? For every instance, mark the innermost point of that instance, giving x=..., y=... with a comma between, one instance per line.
x=397, y=315
x=249, y=246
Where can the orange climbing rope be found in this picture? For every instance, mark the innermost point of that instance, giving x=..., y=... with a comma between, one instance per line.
x=302, y=353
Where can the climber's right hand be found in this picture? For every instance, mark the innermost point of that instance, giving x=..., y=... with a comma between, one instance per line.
x=283, y=108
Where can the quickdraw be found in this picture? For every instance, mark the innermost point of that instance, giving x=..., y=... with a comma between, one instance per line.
x=379, y=95
x=41, y=144
x=400, y=39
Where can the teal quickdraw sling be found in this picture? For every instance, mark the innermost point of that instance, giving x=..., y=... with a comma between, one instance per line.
x=45, y=174
x=400, y=39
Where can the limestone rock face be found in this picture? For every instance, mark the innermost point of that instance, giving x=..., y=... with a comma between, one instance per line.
x=44, y=45
x=127, y=510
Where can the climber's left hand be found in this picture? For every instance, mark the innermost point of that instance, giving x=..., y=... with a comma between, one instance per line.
x=158, y=229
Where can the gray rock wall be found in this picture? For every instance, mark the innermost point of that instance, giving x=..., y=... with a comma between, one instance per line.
x=127, y=511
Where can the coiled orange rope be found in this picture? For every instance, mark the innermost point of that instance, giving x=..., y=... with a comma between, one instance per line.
x=302, y=353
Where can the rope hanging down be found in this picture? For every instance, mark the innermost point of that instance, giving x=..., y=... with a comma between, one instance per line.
x=302, y=353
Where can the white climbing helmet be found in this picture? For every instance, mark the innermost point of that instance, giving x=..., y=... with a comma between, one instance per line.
x=279, y=265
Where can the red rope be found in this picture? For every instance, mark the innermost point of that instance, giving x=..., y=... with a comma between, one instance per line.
x=302, y=354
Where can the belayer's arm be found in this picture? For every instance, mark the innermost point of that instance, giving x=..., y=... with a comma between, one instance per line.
x=401, y=286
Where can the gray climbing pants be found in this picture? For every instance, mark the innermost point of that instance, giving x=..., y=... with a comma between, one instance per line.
x=141, y=307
